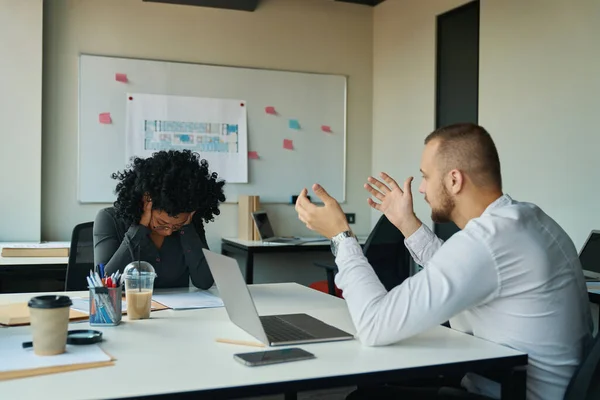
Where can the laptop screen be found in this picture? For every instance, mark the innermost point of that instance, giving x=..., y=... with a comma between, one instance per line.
x=263, y=225
x=590, y=254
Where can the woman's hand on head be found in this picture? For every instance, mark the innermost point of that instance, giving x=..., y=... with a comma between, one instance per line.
x=146, y=214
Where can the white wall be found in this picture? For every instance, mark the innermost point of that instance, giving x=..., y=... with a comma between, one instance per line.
x=538, y=97
x=300, y=35
x=21, y=116
x=404, y=88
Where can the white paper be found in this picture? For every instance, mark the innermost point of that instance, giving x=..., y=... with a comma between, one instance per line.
x=313, y=239
x=46, y=245
x=217, y=129
x=83, y=304
x=13, y=357
x=183, y=301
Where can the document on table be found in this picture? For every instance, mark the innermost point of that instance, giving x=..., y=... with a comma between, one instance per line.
x=83, y=304
x=42, y=245
x=13, y=357
x=189, y=300
x=312, y=239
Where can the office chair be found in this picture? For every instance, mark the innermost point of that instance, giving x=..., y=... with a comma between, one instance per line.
x=445, y=231
x=81, y=257
x=385, y=251
x=585, y=382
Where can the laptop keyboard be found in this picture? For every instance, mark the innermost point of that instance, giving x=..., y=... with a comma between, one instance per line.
x=278, y=330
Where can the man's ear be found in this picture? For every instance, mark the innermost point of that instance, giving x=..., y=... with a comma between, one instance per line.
x=456, y=181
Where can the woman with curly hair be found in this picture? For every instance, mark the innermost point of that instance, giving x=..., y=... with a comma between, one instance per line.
x=162, y=204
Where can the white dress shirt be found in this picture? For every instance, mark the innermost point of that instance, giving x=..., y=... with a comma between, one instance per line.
x=511, y=276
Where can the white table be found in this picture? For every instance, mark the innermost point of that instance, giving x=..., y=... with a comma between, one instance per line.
x=30, y=269
x=10, y=261
x=175, y=352
x=247, y=249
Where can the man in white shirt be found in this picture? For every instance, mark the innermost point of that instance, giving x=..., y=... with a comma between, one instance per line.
x=511, y=275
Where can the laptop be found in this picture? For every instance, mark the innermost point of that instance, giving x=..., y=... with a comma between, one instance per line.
x=272, y=330
x=266, y=233
x=589, y=256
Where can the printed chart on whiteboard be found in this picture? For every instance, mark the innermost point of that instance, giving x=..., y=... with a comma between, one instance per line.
x=215, y=128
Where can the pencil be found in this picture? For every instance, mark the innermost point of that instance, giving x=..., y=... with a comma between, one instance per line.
x=240, y=342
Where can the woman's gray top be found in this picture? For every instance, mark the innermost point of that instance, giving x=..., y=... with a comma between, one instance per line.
x=179, y=259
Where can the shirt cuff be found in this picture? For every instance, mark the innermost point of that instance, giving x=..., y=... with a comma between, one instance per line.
x=418, y=241
x=348, y=248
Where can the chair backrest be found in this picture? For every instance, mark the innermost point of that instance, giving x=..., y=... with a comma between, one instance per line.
x=387, y=254
x=81, y=256
x=446, y=230
x=585, y=383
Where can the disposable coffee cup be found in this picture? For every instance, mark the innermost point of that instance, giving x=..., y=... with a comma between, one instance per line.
x=49, y=316
x=139, y=285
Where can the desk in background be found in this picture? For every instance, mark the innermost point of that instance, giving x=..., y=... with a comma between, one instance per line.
x=31, y=268
x=11, y=261
x=185, y=361
x=248, y=248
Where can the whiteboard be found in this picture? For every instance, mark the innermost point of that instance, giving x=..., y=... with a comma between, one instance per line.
x=305, y=105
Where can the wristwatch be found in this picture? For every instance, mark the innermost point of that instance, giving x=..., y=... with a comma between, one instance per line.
x=337, y=239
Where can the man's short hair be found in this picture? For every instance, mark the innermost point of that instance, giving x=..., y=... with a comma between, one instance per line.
x=469, y=148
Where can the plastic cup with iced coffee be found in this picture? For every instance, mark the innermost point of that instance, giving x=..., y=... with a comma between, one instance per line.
x=139, y=284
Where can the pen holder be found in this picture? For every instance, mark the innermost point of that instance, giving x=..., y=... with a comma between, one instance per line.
x=106, y=305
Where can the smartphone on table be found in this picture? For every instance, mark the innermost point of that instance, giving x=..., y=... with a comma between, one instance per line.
x=273, y=356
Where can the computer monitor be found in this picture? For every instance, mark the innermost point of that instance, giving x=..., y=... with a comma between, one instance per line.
x=589, y=256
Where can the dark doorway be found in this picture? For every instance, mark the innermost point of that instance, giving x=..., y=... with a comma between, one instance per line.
x=457, y=75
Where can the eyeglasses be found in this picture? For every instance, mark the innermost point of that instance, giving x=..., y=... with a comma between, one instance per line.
x=173, y=228
x=168, y=227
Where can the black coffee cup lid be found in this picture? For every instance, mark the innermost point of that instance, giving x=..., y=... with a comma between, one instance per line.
x=50, y=301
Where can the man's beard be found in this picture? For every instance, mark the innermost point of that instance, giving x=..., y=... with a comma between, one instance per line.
x=442, y=214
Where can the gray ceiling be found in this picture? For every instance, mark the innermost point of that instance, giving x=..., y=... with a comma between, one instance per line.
x=245, y=5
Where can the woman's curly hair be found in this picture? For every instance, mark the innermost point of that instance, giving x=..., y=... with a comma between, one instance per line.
x=176, y=182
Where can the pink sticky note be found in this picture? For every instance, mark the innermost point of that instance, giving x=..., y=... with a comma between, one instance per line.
x=270, y=110
x=121, y=77
x=253, y=155
x=105, y=118
x=288, y=144
x=326, y=128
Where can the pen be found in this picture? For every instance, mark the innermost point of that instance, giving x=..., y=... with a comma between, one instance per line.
x=115, y=278
x=98, y=279
x=240, y=342
x=92, y=280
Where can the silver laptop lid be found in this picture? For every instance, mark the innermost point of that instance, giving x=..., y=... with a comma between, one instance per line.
x=589, y=256
x=263, y=225
x=235, y=294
